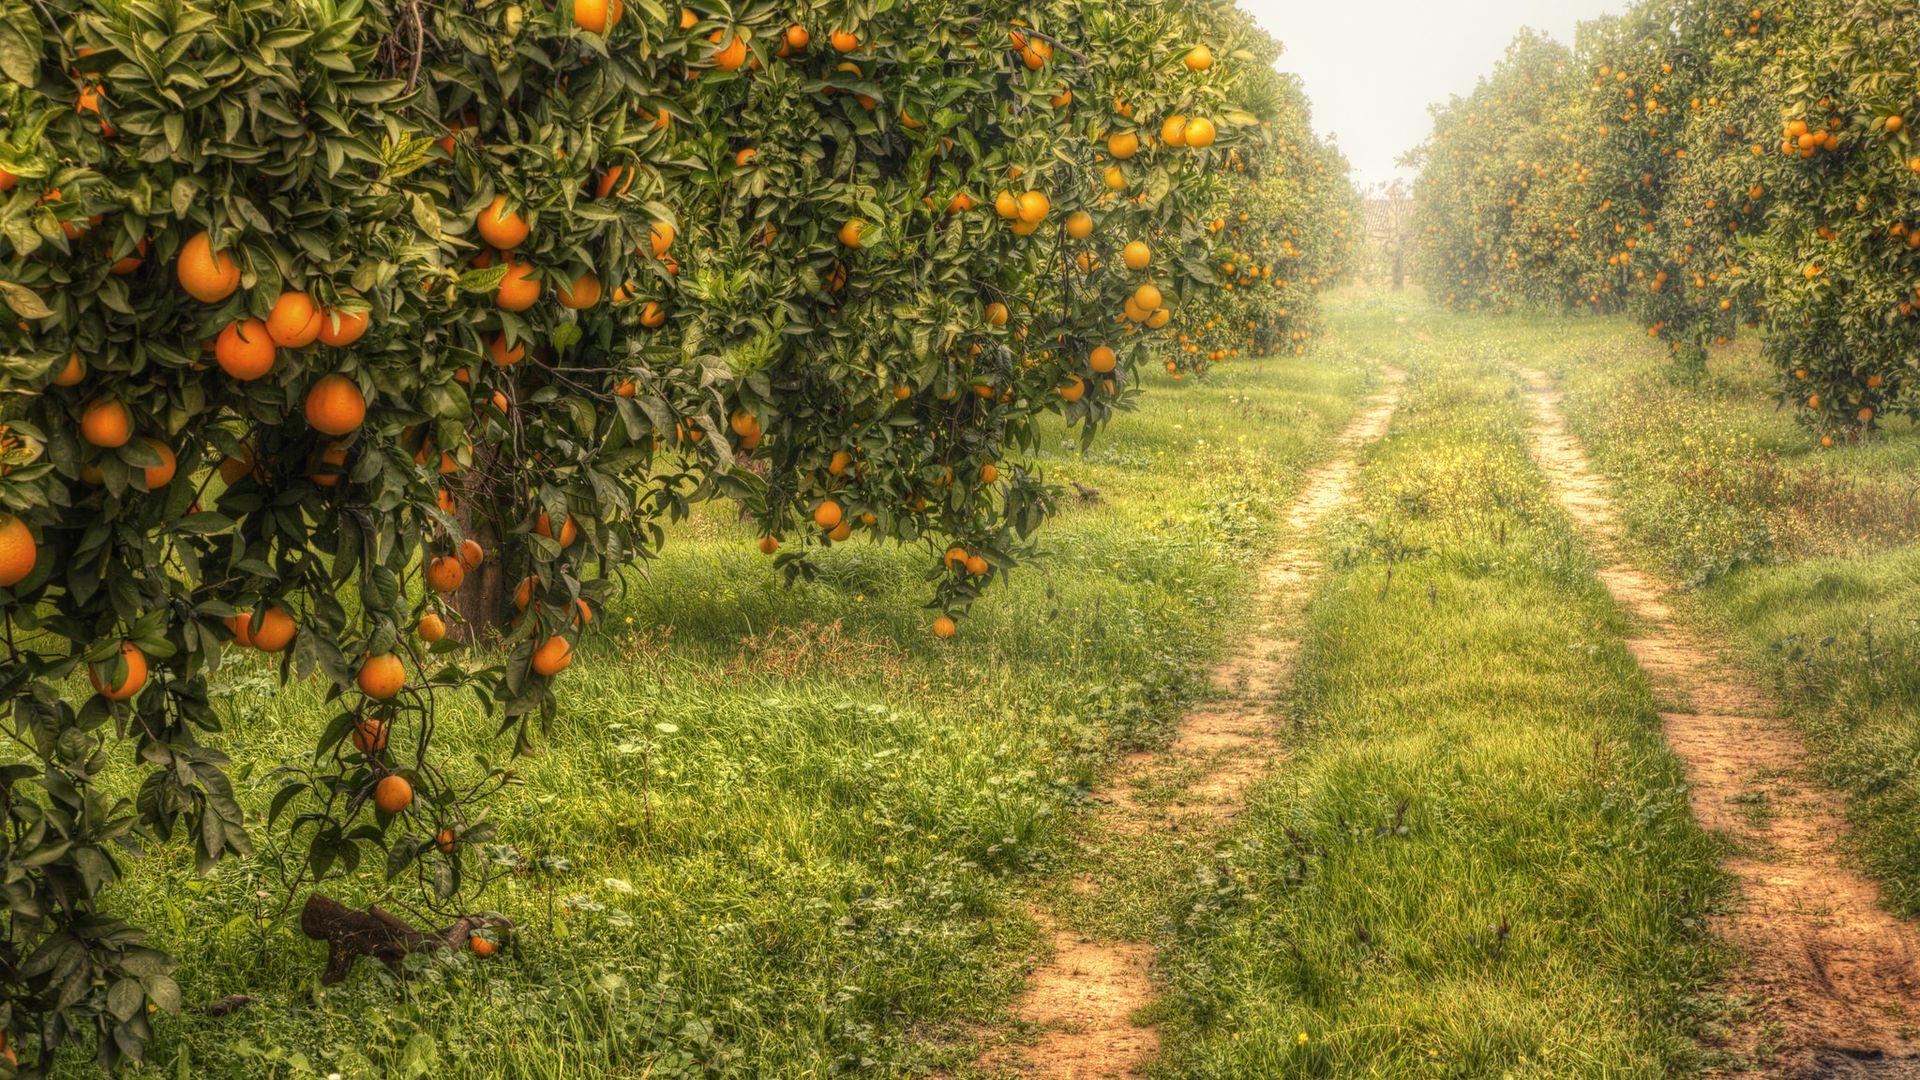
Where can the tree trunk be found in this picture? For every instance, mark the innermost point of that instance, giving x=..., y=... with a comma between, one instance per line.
x=1399, y=268
x=481, y=601
x=351, y=934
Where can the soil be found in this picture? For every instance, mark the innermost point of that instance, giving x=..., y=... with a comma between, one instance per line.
x=1086, y=997
x=1828, y=977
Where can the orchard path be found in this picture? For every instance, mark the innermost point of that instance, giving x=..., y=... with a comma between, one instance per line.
x=1084, y=997
x=1829, y=975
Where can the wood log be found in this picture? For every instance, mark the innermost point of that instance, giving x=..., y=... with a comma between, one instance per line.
x=352, y=934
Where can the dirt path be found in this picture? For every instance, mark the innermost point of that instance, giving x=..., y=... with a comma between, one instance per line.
x=1830, y=976
x=1084, y=997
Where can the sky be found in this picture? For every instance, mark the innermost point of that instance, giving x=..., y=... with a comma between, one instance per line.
x=1372, y=67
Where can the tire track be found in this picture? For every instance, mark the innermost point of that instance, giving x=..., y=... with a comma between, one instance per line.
x=1084, y=997
x=1830, y=975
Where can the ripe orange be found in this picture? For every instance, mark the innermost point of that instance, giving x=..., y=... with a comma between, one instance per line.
x=335, y=405
x=519, y=289
x=18, y=551
x=1173, y=130
x=294, y=321
x=597, y=16
x=343, y=328
x=7, y=180
x=157, y=476
x=1199, y=58
x=569, y=532
x=769, y=545
x=943, y=627
x=989, y=473
x=76, y=368
x=444, y=573
x=276, y=630
x=797, y=37
x=501, y=228
x=733, y=54
x=503, y=356
x=1033, y=207
x=552, y=657
x=850, y=232
x=106, y=423
x=431, y=628
x=1147, y=297
x=842, y=41
x=1123, y=144
x=329, y=465
x=583, y=293
x=1076, y=388
x=209, y=276
x=827, y=514
x=382, y=676
x=130, y=683
x=1199, y=132
x=1103, y=359
x=661, y=235
x=977, y=565
x=471, y=554
x=1136, y=255
x=997, y=313
x=444, y=841
x=393, y=794
x=370, y=735
x=244, y=349
x=1079, y=224
x=481, y=947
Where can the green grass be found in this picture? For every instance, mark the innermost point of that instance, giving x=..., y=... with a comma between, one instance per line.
x=1478, y=859
x=783, y=831
x=1805, y=557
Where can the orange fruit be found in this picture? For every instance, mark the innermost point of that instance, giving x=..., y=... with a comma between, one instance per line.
x=1123, y=144
x=1147, y=297
x=943, y=627
x=106, y=423
x=392, y=794
x=503, y=356
x=850, y=232
x=127, y=264
x=733, y=54
x=1199, y=132
x=76, y=368
x=444, y=841
x=481, y=947
x=597, y=16
x=552, y=657
x=1079, y=224
x=157, y=476
x=130, y=683
x=275, y=632
x=661, y=235
x=7, y=180
x=977, y=565
x=797, y=38
x=18, y=551
x=1103, y=359
x=1136, y=255
x=431, y=628
x=569, y=532
x=329, y=465
x=471, y=554
x=382, y=676
x=1033, y=207
x=842, y=41
x=1173, y=130
x=1199, y=58
x=335, y=405
x=501, y=228
x=768, y=545
x=444, y=573
x=294, y=321
x=997, y=313
x=244, y=349
x=519, y=289
x=827, y=514
x=583, y=293
x=370, y=735
x=343, y=327
x=1075, y=389
x=209, y=276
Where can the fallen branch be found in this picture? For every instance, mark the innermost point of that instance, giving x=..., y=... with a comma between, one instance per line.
x=351, y=934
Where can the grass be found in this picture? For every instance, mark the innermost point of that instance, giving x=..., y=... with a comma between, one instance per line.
x=1477, y=859
x=775, y=831
x=1805, y=557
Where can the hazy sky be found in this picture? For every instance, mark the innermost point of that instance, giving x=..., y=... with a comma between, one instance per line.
x=1373, y=66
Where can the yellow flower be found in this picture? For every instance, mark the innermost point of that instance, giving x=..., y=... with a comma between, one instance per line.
x=1303, y=1040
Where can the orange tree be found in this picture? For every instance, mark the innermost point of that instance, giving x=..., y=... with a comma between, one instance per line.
x=348, y=332
x=1721, y=164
